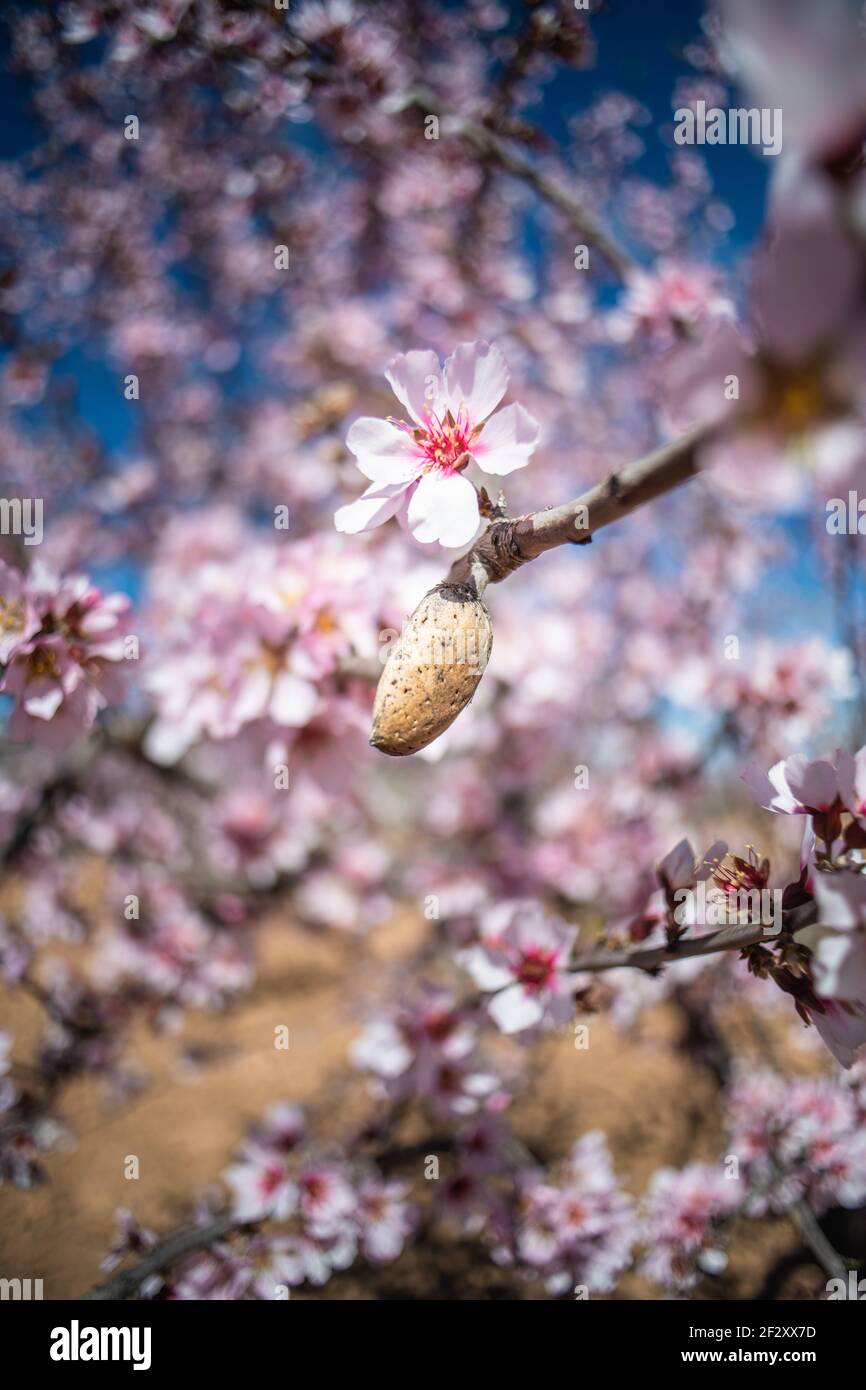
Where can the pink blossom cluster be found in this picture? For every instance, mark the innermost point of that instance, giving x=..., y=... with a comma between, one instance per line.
x=257, y=641
x=335, y=1210
x=427, y=1049
x=263, y=640
x=801, y=1138
x=61, y=644
x=328, y=1212
x=576, y=1226
x=168, y=951
x=682, y=1223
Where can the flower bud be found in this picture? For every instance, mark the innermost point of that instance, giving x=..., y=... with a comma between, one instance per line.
x=432, y=671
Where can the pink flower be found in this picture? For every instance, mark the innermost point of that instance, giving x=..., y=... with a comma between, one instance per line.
x=842, y=1027
x=852, y=782
x=261, y=1186
x=680, y=869
x=416, y=470
x=428, y=1049
x=797, y=367
x=794, y=786
x=268, y=1262
x=797, y=1137
x=62, y=642
x=682, y=1213
x=326, y=1199
x=674, y=296
x=523, y=964
x=576, y=1225
x=839, y=958
x=18, y=618
x=384, y=1218
x=806, y=59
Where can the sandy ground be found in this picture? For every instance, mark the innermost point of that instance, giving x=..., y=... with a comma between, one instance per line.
x=655, y=1103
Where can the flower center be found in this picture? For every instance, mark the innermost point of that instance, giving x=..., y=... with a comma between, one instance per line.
x=43, y=662
x=801, y=401
x=11, y=615
x=271, y=1180
x=445, y=444
x=535, y=970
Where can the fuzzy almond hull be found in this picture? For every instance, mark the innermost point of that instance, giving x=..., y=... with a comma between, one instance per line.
x=433, y=670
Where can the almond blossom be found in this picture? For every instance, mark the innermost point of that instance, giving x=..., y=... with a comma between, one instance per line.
x=669, y=302
x=428, y=1049
x=795, y=786
x=797, y=1137
x=576, y=1226
x=261, y=1186
x=840, y=952
x=417, y=469
x=522, y=962
x=682, y=1220
x=62, y=642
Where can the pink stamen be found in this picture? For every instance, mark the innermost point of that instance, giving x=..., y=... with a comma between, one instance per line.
x=444, y=445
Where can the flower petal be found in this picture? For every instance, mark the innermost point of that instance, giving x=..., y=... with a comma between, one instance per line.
x=515, y=1009
x=507, y=441
x=416, y=380
x=42, y=699
x=376, y=505
x=293, y=700
x=384, y=453
x=444, y=508
x=839, y=963
x=477, y=378
x=489, y=970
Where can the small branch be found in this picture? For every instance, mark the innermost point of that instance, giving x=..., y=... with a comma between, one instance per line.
x=493, y=149
x=827, y=1256
x=506, y=545
x=583, y=222
x=128, y=1281
x=734, y=938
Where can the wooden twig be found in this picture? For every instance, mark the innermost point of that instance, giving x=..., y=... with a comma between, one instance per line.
x=126, y=1282
x=493, y=149
x=506, y=545
x=731, y=938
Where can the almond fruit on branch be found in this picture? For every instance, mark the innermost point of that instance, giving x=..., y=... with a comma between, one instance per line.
x=434, y=669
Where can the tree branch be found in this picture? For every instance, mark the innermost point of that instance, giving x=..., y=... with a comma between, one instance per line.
x=493, y=149
x=651, y=957
x=128, y=1281
x=730, y=938
x=827, y=1256
x=506, y=545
